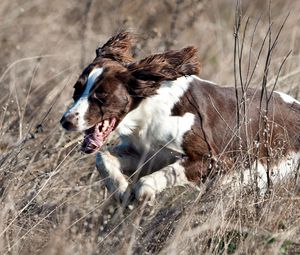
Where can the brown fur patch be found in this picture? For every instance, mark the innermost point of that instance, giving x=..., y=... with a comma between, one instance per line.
x=149, y=72
x=117, y=48
x=214, y=146
x=167, y=66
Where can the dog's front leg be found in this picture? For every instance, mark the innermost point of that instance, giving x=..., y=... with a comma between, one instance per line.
x=110, y=166
x=169, y=176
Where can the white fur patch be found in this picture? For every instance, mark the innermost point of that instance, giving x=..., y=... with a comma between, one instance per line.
x=81, y=106
x=151, y=122
x=283, y=170
x=287, y=98
x=203, y=80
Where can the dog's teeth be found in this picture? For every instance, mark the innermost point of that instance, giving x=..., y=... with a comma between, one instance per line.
x=105, y=125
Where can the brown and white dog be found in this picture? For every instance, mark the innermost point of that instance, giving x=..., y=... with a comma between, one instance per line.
x=174, y=127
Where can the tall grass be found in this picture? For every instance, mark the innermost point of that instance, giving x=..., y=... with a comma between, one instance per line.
x=52, y=199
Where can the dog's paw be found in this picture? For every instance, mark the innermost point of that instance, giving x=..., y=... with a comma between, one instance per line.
x=119, y=196
x=144, y=192
x=124, y=197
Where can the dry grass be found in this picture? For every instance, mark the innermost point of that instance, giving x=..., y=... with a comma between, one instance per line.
x=52, y=200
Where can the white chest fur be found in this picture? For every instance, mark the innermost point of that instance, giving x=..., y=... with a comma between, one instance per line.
x=151, y=123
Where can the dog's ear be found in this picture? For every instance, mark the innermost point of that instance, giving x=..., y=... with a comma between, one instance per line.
x=118, y=48
x=170, y=65
x=166, y=66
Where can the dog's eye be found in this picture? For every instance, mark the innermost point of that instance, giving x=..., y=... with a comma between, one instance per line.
x=99, y=97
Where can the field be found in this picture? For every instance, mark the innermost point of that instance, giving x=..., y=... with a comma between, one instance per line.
x=52, y=199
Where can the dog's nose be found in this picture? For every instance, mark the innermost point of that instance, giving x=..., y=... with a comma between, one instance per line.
x=67, y=122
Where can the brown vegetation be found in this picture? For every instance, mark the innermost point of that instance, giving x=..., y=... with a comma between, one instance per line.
x=52, y=200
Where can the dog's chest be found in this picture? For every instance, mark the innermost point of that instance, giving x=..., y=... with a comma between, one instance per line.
x=151, y=124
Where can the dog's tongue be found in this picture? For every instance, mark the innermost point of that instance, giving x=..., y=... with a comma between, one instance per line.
x=95, y=137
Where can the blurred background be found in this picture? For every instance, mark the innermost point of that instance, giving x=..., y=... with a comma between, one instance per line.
x=52, y=200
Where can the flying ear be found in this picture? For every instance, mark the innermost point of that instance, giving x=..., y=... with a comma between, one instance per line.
x=118, y=48
x=166, y=66
x=147, y=73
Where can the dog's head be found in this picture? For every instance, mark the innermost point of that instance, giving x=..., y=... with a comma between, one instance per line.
x=113, y=85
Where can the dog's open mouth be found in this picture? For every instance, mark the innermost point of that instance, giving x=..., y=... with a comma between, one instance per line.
x=95, y=137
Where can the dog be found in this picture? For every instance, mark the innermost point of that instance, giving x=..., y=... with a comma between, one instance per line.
x=174, y=127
